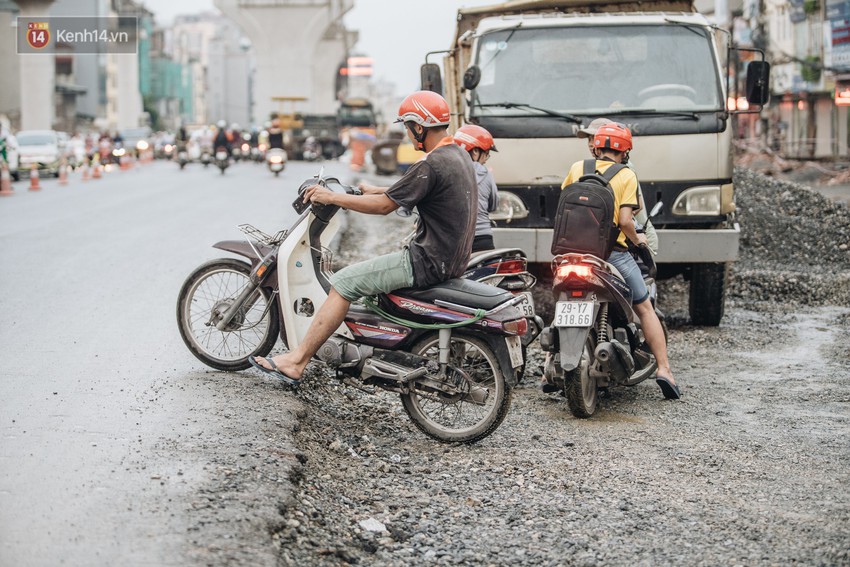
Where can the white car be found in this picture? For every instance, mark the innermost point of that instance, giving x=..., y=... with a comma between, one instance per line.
x=39, y=147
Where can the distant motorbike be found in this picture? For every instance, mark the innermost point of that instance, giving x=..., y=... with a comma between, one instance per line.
x=182, y=157
x=311, y=150
x=206, y=158
x=450, y=351
x=222, y=160
x=276, y=160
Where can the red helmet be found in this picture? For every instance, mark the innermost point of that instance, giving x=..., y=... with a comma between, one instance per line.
x=425, y=108
x=613, y=136
x=470, y=136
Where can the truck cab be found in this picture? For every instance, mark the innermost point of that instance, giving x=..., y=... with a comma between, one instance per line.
x=533, y=73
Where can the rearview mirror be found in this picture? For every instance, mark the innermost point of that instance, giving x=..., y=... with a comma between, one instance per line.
x=472, y=77
x=431, y=78
x=758, y=81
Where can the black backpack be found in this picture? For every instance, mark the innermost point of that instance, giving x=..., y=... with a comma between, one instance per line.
x=584, y=221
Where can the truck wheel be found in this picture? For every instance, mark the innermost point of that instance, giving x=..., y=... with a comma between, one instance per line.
x=708, y=293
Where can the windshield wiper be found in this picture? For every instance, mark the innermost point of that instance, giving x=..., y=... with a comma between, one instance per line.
x=552, y=113
x=648, y=112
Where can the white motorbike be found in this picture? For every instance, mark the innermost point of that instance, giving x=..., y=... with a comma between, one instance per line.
x=451, y=351
x=276, y=160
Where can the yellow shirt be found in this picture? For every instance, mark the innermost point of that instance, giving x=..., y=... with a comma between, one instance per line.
x=624, y=184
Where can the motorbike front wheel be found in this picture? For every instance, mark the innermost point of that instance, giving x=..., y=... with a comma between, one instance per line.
x=457, y=419
x=206, y=294
x=581, y=390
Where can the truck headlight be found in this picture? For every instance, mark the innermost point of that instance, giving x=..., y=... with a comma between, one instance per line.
x=703, y=201
x=510, y=207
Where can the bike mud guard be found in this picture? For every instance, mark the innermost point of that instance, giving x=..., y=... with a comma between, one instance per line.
x=242, y=248
x=500, y=348
x=571, y=341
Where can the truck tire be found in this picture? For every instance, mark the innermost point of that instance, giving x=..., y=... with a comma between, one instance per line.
x=708, y=293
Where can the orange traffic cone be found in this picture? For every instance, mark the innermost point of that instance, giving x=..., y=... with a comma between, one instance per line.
x=5, y=181
x=34, y=186
x=63, y=173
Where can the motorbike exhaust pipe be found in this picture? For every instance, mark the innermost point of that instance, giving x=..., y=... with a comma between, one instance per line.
x=610, y=361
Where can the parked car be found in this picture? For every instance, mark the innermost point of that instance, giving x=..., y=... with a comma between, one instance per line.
x=12, y=158
x=40, y=147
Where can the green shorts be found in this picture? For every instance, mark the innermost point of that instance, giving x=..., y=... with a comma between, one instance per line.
x=371, y=277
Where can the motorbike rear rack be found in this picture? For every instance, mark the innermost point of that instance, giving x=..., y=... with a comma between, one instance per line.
x=259, y=236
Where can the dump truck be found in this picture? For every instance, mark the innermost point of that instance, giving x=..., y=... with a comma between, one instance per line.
x=534, y=72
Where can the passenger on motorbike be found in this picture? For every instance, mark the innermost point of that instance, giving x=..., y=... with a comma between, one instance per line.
x=221, y=140
x=478, y=142
x=612, y=143
x=275, y=135
x=441, y=186
x=641, y=215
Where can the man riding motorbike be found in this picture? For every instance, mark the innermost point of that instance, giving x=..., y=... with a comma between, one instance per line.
x=441, y=186
x=478, y=142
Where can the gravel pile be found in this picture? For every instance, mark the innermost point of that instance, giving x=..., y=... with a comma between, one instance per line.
x=795, y=244
x=751, y=468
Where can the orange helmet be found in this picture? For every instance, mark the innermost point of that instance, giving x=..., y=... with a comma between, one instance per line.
x=471, y=136
x=426, y=108
x=613, y=136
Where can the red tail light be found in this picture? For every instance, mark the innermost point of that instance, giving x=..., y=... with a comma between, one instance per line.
x=512, y=266
x=565, y=271
x=515, y=327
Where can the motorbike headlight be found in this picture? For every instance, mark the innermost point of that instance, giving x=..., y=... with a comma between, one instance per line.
x=142, y=145
x=168, y=148
x=695, y=201
x=510, y=207
x=119, y=151
x=275, y=159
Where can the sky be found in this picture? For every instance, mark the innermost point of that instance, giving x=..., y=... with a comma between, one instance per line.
x=395, y=33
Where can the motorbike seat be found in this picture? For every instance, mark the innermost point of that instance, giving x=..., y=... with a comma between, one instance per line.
x=485, y=255
x=460, y=291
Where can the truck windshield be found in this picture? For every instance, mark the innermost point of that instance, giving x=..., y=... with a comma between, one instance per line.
x=601, y=70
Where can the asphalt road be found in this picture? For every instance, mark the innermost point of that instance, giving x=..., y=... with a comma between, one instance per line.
x=109, y=426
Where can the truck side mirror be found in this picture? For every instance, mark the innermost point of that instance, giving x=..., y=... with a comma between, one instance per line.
x=431, y=78
x=758, y=81
x=472, y=77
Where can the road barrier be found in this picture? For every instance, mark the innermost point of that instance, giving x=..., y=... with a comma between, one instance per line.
x=34, y=185
x=63, y=173
x=5, y=182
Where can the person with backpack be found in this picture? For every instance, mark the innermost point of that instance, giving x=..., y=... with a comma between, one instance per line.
x=478, y=143
x=641, y=215
x=612, y=143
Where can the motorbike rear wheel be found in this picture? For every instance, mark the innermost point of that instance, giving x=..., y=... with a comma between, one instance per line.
x=453, y=420
x=582, y=392
x=211, y=289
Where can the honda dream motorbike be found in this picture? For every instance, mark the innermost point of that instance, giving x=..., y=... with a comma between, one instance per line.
x=451, y=351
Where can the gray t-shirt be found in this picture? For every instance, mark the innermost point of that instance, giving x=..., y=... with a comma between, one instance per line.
x=442, y=188
x=488, y=199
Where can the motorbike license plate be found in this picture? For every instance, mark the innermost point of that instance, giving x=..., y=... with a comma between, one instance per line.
x=515, y=350
x=574, y=314
x=527, y=306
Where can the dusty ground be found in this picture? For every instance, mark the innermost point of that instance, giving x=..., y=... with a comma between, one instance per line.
x=751, y=467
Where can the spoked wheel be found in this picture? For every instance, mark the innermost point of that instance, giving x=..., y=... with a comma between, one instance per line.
x=582, y=393
x=207, y=294
x=480, y=407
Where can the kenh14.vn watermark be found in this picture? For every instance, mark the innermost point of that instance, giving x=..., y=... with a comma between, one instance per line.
x=78, y=34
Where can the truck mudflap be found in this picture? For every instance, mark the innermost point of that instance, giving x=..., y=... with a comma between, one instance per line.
x=674, y=245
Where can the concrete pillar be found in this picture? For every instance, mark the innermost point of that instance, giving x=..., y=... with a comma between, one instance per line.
x=37, y=72
x=287, y=39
